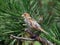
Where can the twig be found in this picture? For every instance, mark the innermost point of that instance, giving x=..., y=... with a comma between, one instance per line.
x=21, y=38
x=43, y=41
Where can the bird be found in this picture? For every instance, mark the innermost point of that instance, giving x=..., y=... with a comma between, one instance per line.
x=32, y=23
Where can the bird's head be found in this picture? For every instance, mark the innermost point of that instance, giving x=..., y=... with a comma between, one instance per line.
x=26, y=15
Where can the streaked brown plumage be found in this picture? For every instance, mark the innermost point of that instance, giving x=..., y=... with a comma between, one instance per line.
x=32, y=23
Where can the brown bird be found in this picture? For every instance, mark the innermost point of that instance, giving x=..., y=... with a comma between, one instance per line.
x=32, y=23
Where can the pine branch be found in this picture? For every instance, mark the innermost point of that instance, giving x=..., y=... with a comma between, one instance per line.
x=43, y=41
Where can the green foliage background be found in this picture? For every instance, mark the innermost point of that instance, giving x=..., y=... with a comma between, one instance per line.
x=11, y=21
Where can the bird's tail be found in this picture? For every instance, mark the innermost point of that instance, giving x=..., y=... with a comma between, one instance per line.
x=43, y=31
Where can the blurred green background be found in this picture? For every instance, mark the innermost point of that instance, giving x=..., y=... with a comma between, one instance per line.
x=11, y=21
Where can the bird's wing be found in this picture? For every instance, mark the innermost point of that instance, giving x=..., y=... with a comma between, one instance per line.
x=35, y=24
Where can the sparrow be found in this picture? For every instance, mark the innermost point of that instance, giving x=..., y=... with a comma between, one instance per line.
x=32, y=23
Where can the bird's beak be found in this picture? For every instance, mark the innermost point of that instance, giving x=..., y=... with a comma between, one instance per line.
x=22, y=15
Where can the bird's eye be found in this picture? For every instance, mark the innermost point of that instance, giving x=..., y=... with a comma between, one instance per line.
x=25, y=14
